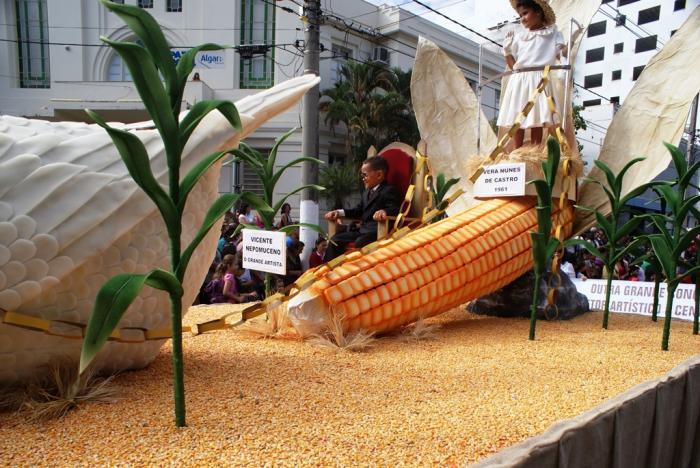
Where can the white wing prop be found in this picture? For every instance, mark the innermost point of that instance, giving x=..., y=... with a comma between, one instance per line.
x=71, y=216
x=655, y=111
x=447, y=111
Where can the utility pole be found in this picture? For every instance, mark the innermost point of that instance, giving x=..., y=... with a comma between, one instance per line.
x=308, y=212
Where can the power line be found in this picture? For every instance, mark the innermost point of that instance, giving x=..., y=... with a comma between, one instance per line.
x=456, y=22
x=75, y=44
x=98, y=28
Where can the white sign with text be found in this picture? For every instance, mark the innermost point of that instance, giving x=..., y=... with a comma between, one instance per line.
x=265, y=251
x=204, y=59
x=501, y=180
x=637, y=297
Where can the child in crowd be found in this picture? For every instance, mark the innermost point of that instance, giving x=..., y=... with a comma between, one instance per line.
x=316, y=257
x=222, y=288
x=537, y=44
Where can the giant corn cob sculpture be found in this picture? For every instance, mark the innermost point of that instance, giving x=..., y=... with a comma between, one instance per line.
x=427, y=271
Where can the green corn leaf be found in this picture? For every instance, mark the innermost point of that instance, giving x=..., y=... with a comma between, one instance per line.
x=539, y=255
x=135, y=158
x=147, y=30
x=544, y=192
x=446, y=187
x=586, y=245
x=148, y=84
x=584, y=208
x=201, y=110
x=115, y=296
x=278, y=175
x=552, y=163
x=604, y=224
x=280, y=202
x=627, y=228
x=627, y=249
x=687, y=205
x=544, y=220
x=194, y=174
x=292, y=227
x=621, y=174
x=671, y=196
x=688, y=177
x=183, y=69
x=250, y=157
x=685, y=241
x=552, y=246
x=609, y=175
x=214, y=214
x=663, y=253
x=678, y=159
x=635, y=192
x=272, y=158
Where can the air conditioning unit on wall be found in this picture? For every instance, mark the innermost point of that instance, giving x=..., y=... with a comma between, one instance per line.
x=381, y=54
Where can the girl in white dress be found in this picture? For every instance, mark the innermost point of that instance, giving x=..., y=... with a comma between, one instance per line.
x=536, y=44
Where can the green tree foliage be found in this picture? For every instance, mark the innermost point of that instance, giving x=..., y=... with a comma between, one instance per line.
x=439, y=190
x=373, y=104
x=339, y=181
x=160, y=83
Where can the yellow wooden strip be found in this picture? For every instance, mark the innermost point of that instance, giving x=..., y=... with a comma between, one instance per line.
x=26, y=321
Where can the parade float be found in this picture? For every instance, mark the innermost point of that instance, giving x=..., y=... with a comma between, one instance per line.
x=91, y=221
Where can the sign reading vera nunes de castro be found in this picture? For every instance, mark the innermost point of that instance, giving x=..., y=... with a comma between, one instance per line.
x=637, y=297
x=501, y=180
x=265, y=251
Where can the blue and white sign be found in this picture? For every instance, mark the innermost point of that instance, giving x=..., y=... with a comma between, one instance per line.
x=212, y=59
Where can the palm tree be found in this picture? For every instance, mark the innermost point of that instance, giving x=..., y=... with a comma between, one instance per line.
x=373, y=103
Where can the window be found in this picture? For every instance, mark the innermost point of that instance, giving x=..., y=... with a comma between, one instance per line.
x=33, y=44
x=616, y=75
x=117, y=71
x=145, y=3
x=592, y=102
x=625, y=2
x=619, y=47
x=644, y=44
x=673, y=32
x=593, y=81
x=121, y=2
x=615, y=100
x=678, y=5
x=595, y=55
x=341, y=55
x=636, y=72
x=649, y=15
x=620, y=20
x=596, y=29
x=258, y=27
x=174, y=6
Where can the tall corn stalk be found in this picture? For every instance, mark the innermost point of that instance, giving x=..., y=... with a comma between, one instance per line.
x=160, y=83
x=670, y=244
x=543, y=244
x=264, y=168
x=612, y=253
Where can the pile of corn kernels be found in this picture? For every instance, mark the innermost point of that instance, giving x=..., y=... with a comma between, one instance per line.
x=477, y=387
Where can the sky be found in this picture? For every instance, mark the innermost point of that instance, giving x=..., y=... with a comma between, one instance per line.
x=477, y=14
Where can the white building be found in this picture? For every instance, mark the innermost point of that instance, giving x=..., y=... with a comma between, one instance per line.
x=622, y=37
x=54, y=66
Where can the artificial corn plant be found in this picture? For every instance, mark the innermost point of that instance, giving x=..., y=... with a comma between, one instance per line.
x=669, y=244
x=543, y=244
x=613, y=251
x=160, y=83
x=264, y=168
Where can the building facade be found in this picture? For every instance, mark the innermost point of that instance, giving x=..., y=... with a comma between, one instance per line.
x=621, y=39
x=54, y=64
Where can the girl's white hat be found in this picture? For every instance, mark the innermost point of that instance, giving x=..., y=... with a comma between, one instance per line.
x=549, y=16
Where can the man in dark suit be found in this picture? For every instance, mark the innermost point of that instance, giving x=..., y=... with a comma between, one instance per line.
x=379, y=200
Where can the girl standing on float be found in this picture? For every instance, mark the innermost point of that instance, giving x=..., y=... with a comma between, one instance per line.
x=537, y=44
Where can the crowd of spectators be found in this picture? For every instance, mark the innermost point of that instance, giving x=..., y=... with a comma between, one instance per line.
x=227, y=280
x=581, y=264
